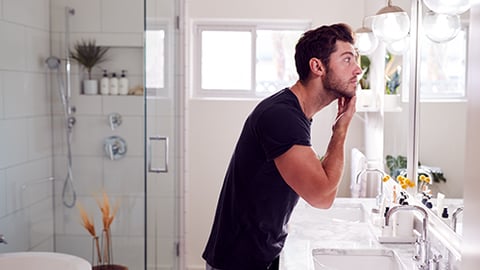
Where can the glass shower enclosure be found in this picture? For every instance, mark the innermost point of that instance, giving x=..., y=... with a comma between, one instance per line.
x=124, y=147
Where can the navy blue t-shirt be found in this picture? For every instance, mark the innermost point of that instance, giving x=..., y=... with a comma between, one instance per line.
x=255, y=203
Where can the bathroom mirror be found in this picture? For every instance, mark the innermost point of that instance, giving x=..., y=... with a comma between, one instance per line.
x=441, y=111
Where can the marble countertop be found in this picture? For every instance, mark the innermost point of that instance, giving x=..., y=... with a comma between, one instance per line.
x=310, y=228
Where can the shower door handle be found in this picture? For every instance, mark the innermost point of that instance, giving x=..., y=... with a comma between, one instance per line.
x=150, y=154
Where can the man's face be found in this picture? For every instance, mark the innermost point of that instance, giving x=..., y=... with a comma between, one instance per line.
x=341, y=76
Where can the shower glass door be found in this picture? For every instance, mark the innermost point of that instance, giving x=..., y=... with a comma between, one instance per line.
x=161, y=110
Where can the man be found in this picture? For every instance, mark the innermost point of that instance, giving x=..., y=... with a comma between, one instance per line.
x=274, y=163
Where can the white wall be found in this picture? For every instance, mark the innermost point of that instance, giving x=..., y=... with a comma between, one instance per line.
x=26, y=212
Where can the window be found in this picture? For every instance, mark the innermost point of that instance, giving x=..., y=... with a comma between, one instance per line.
x=239, y=60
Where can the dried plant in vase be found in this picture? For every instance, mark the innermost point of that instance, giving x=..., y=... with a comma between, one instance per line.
x=107, y=217
x=103, y=250
x=88, y=224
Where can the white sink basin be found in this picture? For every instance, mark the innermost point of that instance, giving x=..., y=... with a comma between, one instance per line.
x=347, y=259
x=341, y=212
x=42, y=260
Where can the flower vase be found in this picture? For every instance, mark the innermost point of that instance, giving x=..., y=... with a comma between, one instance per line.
x=96, y=253
x=107, y=247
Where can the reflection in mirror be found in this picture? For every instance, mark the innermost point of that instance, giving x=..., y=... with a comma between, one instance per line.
x=441, y=113
x=442, y=122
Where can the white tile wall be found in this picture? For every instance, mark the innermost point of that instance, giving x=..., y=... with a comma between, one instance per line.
x=3, y=194
x=13, y=48
x=25, y=139
x=88, y=174
x=124, y=176
x=37, y=49
x=40, y=222
x=31, y=13
x=2, y=105
x=13, y=140
x=122, y=15
x=39, y=137
x=27, y=184
x=86, y=18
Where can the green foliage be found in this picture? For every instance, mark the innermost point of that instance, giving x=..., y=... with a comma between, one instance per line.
x=88, y=54
x=365, y=66
x=397, y=165
x=392, y=75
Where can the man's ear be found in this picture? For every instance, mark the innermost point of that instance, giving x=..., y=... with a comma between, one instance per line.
x=316, y=66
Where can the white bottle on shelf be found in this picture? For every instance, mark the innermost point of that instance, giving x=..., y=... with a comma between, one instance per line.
x=104, y=84
x=123, y=84
x=113, y=84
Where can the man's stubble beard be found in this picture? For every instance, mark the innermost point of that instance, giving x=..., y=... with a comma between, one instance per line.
x=334, y=85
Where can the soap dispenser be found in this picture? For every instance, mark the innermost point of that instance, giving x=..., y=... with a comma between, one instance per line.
x=113, y=84
x=104, y=85
x=445, y=216
x=123, y=84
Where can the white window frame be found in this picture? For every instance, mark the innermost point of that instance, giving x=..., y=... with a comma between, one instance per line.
x=233, y=25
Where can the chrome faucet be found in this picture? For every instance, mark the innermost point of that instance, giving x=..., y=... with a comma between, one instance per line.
x=455, y=217
x=421, y=245
x=380, y=195
x=2, y=239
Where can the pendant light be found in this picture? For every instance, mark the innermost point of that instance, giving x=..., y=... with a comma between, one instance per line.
x=441, y=27
x=391, y=23
x=448, y=6
x=365, y=41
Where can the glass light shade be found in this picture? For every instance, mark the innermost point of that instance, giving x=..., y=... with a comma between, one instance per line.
x=448, y=6
x=441, y=27
x=391, y=23
x=399, y=47
x=365, y=41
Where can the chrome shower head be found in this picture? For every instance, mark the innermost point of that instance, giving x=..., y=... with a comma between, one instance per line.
x=53, y=62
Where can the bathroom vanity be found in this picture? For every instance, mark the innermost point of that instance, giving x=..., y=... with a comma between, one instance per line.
x=346, y=236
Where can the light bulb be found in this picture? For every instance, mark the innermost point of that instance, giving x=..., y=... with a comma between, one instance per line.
x=448, y=6
x=441, y=27
x=391, y=23
x=365, y=41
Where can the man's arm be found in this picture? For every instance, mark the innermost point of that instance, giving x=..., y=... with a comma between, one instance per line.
x=314, y=180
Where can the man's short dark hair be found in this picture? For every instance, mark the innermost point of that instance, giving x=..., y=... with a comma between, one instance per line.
x=320, y=43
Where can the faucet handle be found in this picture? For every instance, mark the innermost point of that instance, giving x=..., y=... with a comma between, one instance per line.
x=2, y=239
x=434, y=263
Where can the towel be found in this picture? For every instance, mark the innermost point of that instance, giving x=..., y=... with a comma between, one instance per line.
x=359, y=162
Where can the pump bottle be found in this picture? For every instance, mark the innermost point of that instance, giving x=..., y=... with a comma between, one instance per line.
x=123, y=84
x=113, y=84
x=104, y=85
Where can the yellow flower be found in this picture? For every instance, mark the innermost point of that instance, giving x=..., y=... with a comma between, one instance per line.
x=386, y=178
x=410, y=183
